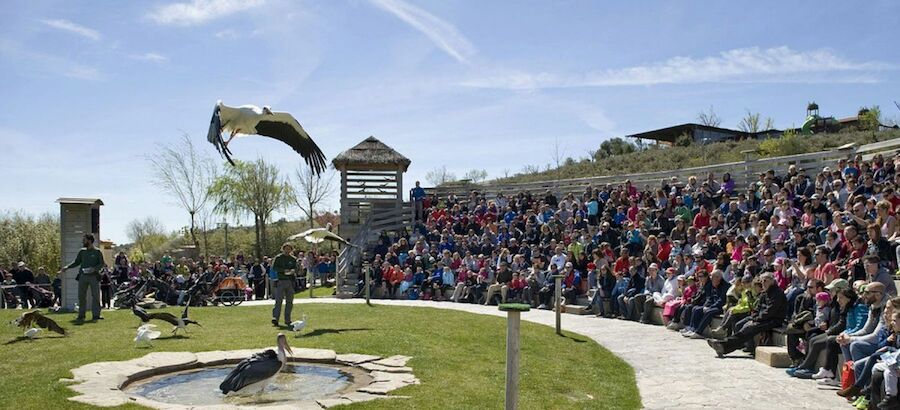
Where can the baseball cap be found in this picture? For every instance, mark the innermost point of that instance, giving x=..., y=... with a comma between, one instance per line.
x=21, y=264
x=823, y=296
x=839, y=284
x=747, y=278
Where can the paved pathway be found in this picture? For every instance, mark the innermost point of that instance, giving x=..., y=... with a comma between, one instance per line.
x=672, y=372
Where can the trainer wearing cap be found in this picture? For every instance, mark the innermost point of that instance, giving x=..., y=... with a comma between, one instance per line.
x=89, y=262
x=285, y=266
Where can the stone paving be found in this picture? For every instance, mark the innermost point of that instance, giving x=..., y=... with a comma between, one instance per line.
x=672, y=372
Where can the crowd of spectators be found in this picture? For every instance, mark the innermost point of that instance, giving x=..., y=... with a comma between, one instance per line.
x=171, y=277
x=810, y=252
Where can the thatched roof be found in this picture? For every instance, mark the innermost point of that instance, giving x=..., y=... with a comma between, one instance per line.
x=371, y=153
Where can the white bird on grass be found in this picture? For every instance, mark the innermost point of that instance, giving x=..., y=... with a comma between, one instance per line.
x=145, y=334
x=298, y=326
x=32, y=333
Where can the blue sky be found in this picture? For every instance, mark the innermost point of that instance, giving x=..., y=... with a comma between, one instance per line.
x=89, y=88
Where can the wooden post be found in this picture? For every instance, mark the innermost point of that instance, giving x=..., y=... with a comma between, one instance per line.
x=513, y=311
x=558, y=303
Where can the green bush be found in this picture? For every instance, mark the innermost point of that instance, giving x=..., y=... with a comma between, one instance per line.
x=788, y=144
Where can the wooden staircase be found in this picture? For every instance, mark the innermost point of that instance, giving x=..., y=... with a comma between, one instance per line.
x=349, y=264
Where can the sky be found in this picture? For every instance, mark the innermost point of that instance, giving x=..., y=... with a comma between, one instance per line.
x=90, y=89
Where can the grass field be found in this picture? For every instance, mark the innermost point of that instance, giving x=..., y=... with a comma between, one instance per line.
x=459, y=357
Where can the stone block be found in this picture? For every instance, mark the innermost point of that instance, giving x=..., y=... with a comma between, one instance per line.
x=775, y=356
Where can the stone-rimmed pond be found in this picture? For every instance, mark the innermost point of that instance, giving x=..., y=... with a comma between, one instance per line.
x=314, y=379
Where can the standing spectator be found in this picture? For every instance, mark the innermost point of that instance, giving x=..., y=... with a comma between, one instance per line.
x=418, y=196
x=23, y=277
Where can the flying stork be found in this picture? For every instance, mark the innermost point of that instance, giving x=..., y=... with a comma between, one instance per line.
x=254, y=373
x=252, y=120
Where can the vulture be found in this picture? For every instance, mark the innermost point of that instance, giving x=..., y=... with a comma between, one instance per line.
x=254, y=373
x=252, y=120
x=35, y=319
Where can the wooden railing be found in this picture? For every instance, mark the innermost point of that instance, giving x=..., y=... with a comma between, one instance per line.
x=743, y=172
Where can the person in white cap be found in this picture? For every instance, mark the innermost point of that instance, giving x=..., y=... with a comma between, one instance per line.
x=23, y=277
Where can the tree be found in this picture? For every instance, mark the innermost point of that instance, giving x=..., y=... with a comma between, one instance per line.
x=751, y=123
x=709, y=118
x=185, y=173
x=476, y=175
x=869, y=118
x=684, y=140
x=439, y=176
x=147, y=234
x=616, y=146
x=34, y=241
x=311, y=190
x=251, y=188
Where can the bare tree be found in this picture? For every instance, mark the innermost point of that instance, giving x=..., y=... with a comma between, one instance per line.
x=439, y=176
x=312, y=189
x=142, y=231
x=506, y=172
x=476, y=175
x=709, y=118
x=751, y=123
x=558, y=156
x=186, y=174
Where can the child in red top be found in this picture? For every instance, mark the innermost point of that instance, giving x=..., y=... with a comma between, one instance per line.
x=782, y=278
x=516, y=286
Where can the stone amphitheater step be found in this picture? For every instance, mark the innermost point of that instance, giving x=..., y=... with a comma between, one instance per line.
x=775, y=356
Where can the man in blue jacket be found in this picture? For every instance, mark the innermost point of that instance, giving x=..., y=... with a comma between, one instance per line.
x=701, y=316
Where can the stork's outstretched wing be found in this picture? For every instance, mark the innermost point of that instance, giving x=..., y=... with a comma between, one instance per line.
x=285, y=128
x=214, y=136
x=165, y=317
x=318, y=235
x=256, y=368
x=141, y=313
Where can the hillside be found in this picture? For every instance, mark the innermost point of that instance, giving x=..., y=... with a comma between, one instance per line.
x=660, y=158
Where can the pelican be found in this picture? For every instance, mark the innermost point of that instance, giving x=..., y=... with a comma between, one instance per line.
x=145, y=334
x=252, y=120
x=319, y=235
x=254, y=373
x=178, y=322
x=298, y=325
x=35, y=319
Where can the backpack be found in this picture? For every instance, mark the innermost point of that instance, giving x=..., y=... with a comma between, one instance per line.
x=848, y=378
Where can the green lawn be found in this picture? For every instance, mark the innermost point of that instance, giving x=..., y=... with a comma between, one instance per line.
x=459, y=357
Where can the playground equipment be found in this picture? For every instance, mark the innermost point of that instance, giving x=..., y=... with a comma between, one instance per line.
x=815, y=124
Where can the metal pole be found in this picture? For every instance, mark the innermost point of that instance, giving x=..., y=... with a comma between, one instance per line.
x=366, y=283
x=558, y=292
x=226, y=241
x=513, y=319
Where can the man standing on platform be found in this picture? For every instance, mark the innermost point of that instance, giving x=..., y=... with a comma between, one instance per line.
x=285, y=266
x=417, y=194
x=89, y=262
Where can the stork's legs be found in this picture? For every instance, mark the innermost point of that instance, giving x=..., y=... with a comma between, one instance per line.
x=231, y=137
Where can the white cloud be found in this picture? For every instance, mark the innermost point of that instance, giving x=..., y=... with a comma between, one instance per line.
x=151, y=57
x=48, y=63
x=66, y=25
x=754, y=65
x=441, y=33
x=199, y=11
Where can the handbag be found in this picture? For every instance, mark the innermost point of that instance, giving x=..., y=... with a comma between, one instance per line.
x=848, y=378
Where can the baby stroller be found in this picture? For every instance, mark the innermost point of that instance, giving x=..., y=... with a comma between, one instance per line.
x=10, y=301
x=42, y=298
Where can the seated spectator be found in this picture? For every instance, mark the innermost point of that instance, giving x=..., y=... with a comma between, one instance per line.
x=701, y=316
x=769, y=314
x=660, y=298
